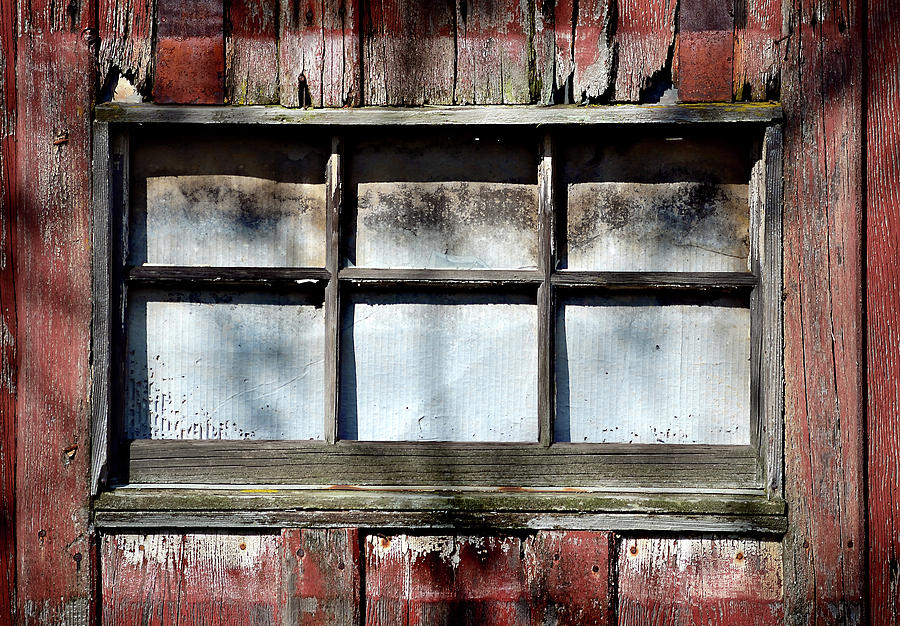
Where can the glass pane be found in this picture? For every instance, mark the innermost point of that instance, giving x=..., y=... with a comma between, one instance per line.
x=224, y=366
x=445, y=202
x=643, y=370
x=256, y=200
x=439, y=368
x=677, y=204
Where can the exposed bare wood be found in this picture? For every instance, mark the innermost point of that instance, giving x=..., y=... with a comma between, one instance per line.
x=645, y=40
x=759, y=46
x=125, y=28
x=251, y=52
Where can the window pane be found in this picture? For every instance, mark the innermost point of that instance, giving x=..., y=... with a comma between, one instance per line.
x=256, y=201
x=637, y=369
x=445, y=202
x=439, y=368
x=224, y=366
x=675, y=203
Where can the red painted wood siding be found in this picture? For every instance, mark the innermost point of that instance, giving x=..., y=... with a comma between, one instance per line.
x=823, y=212
x=8, y=327
x=705, y=50
x=55, y=69
x=883, y=307
x=251, y=52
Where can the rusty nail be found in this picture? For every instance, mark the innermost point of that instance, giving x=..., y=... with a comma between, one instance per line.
x=61, y=138
x=633, y=550
x=300, y=552
x=141, y=547
x=341, y=565
x=70, y=451
x=595, y=569
x=739, y=556
x=243, y=546
x=77, y=557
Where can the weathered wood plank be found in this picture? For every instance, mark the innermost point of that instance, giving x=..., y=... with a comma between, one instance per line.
x=570, y=577
x=8, y=327
x=190, y=52
x=487, y=278
x=210, y=578
x=758, y=49
x=334, y=201
x=705, y=50
x=125, y=28
x=169, y=275
x=409, y=53
x=592, y=52
x=251, y=52
x=318, y=52
x=444, y=580
x=547, y=169
x=824, y=412
x=645, y=36
x=492, y=55
x=656, y=280
x=53, y=311
x=321, y=574
x=700, y=581
x=101, y=313
x=553, y=26
x=741, y=113
x=882, y=297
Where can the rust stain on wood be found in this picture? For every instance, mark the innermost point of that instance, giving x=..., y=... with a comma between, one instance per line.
x=190, y=53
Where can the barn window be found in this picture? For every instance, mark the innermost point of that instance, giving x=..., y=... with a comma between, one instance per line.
x=516, y=310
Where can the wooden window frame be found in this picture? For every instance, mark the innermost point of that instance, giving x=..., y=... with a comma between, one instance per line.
x=535, y=485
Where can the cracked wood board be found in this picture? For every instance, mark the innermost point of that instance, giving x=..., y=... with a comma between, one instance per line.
x=645, y=39
x=759, y=46
x=125, y=28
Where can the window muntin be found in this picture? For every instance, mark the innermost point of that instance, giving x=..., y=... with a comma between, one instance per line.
x=535, y=465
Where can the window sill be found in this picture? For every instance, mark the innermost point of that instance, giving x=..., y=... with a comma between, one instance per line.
x=271, y=506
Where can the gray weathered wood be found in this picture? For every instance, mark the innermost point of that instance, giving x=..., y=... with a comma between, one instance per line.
x=395, y=463
x=334, y=200
x=440, y=278
x=101, y=333
x=771, y=377
x=656, y=280
x=546, y=318
x=500, y=115
x=147, y=275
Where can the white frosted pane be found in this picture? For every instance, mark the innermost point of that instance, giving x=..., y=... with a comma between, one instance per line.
x=672, y=227
x=447, y=225
x=439, y=368
x=631, y=371
x=224, y=367
x=233, y=221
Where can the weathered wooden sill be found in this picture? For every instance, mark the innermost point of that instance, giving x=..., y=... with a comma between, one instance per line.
x=219, y=506
x=505, y=115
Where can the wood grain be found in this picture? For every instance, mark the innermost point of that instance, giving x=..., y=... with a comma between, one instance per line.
x=882, y=297
x=645, y=36
x=699, y=581
x=214, y=578
x=53, y=311
x=321, y=574
x=8, y=326
x=190, y=52
x=824, y=411
x=408, y=53
x=570, y=577
x=125, y=28
x=758, y=49
x=251, y=52
x=492, y=52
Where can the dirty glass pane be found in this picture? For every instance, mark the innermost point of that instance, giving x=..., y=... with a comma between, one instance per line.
x=254, y=200
x=444, y=202
x=636, y=369
x=439, y=368
x=224, y=366
x=676, y=203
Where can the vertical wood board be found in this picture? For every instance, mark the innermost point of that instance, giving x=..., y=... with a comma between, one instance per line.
x=190, y=52
x=645, y=36
x=409, y=52
x=8, y=326
x=758, y=49
x=824, y=412
x=125, y=28
x=321, y=573
x=53, y=310
x=570, y=577
x=699, y=581
x=882, y=311
x=705, y=50
x=251, y=52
